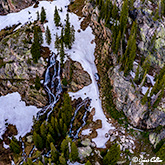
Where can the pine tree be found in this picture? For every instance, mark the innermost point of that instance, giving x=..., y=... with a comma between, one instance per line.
x=68, y=34
x=37, y=82
x=57, y=42
x=88, y=163
x=38, y=16
x=118, y=42
x=114, y=11
x=62, y=159
x=37, y=141
x=48, y=36
x=54, y=153
x=56, y=17
x=49, y=139
x=136, y=79
x=123, y=17
x=38, y=40
x=43, y=15
x=145, y=97
x=112, y=155
x=43, y=130
x=14, y=146
x=74, y=152
x=62, y=53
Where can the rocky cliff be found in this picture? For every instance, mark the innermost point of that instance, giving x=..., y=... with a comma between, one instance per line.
x=125, y=96
x=18, y=71
x=9, y=6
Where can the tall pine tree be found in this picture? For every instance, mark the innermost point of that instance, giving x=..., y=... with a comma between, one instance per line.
x=56, y=17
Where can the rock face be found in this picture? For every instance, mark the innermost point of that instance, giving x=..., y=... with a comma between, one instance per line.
x=18, y=71
x=125, y=96
x=74, y=73
x=128, y=100
x=9, y=6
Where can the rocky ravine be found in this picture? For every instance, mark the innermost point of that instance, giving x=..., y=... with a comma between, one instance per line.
x=125, y=96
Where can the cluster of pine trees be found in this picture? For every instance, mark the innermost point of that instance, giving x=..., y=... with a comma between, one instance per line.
x=67, y=37
x=36, y=45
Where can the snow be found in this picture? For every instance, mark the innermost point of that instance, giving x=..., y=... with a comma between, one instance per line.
x=151, y=78
x=132, y=74
x=82, y=51
x=144, y=90
x=86, y=132
x=14, y=111
x=5, y=146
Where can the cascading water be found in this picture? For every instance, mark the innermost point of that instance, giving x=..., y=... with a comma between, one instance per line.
x=84, y=103
x=52, y=85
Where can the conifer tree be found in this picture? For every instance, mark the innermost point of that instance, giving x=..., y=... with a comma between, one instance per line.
x=54, y=153
x=145, y=97
x=118, y=42
x=57, y=42
x=38, y=16
x=49, y=139
x=74, y=152
x=62, y=53
x=14, y=146
x=68, y=39
x=62, y=159
x=112, y=155
x=35, y=48
x=37, y=141
x=123, y=17
x=43, y=130
x=48, y=36
x=43, y=15
x=136, y=79
x=114, y=11
x=88, y=163
x=56, y=17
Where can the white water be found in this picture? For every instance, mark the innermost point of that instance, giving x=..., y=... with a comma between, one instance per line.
x=82, y=51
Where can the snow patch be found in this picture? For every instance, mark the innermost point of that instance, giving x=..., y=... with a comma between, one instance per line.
x=14, y=111
x=86, y=132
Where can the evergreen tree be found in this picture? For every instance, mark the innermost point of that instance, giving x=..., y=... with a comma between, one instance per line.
x=118, y=42
x=37, y=82
x=37, y=141
x=38, y=16
x=62, y=53
x=57, y=42
x=67, y=109
x=74, y=152
x=49, y=139
x=14, y=146
x=35, y=48
x=114, y=11
x=158, y=99
x=54, y=153
x=136, y=79
x=123, y=17
x=68, y=34
x=43, y=15
x=88, y=163
x=56, y=17
x=43, y=130
x=62, y=159
x=145, y=97
x=48, y=36
x=112, y=155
